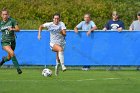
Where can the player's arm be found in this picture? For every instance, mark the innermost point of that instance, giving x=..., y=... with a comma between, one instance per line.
x=39, y=31
x=63, y=29
x=45, y=25
x=63, y=32
x=15, y=28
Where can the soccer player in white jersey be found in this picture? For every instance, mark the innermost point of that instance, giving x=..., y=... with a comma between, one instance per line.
x=57, y=31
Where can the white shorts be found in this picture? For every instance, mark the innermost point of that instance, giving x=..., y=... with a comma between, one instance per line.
x=52, y=44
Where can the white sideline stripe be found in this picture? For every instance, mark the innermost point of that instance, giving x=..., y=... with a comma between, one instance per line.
x=80, y=80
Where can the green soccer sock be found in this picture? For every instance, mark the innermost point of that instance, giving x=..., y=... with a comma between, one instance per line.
x=15, y=62
x=6, y=59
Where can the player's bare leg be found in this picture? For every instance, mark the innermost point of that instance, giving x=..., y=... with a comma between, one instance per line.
x=59, y=50
x=10, y=52
x=57, y=64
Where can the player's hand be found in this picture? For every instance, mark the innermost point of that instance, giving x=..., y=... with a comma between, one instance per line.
x=39, y=37
x=10, y=29
x=88, y=33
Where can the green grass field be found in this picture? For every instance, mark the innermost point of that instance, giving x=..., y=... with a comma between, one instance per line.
x=71, y=81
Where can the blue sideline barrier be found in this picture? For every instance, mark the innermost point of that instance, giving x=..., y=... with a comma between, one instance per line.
x=100, y=48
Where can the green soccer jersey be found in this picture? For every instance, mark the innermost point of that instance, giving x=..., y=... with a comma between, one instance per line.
x=8, y=36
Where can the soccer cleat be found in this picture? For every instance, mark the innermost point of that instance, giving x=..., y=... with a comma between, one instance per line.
x=19, y=71
x=2, y=62
x=64, y=68
x=57, y=70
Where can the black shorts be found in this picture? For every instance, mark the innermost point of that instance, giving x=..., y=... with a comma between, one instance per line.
x=12, y=44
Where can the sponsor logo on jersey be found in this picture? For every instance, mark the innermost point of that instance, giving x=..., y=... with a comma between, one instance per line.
x=5, y=27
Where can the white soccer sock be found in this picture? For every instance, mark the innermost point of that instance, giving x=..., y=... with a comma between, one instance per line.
x=57, y=62
x=61, y=57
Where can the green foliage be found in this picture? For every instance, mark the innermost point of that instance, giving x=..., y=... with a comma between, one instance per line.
x=31, y=13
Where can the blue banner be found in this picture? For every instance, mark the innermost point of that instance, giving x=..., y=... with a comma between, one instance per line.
x=100, y=48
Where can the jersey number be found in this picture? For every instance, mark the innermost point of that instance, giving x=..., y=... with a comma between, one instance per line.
x=7, y=32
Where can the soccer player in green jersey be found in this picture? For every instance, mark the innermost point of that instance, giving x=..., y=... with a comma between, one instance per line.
x=8, y=26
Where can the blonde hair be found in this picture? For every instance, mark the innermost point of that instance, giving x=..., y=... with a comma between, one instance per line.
x=114, y=13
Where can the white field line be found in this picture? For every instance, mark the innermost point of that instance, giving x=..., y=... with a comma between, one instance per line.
x=78, y=80
x=93, y=79
x=110, y=78
x=22, y=80
x=86, y=80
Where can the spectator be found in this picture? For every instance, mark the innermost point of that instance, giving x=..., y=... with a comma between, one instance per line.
x=86, y=25
x=115, y=23
x=136, y=24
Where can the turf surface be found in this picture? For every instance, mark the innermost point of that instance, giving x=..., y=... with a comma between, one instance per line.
x=71, y=81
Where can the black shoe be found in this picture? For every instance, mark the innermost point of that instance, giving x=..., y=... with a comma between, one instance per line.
x=19, y=71
x=2, y=62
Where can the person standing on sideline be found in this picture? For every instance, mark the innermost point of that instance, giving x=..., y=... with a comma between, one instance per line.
x=115, y=23
x=57, y=31
x=9, y=26
x=86, y=25
x=135, y=24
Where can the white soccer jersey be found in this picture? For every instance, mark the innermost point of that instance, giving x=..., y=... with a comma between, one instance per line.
x=55, y=36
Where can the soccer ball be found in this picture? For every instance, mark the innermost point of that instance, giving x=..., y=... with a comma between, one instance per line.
x=47, y=72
